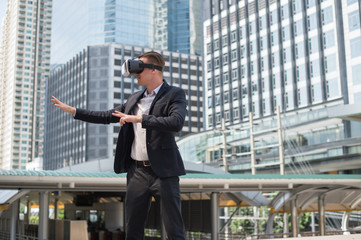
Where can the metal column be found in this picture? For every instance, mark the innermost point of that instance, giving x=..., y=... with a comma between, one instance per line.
x=294, y=217
x=43, y=215
x=321, y=212
x=286, y=231
x=14, y=219
x=253, y=154
x=215, y=214
x=280, y=142
x=225, y=164
x=345, y=222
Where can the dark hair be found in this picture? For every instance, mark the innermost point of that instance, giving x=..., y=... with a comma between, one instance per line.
x=154, y=57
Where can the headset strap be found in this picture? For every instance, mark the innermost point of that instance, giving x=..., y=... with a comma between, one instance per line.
x=151, y=66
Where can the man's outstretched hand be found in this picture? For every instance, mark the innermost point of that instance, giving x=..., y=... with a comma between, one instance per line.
x=66, y=108
x=124, y=118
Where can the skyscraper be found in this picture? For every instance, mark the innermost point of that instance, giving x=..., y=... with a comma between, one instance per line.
x=295, y=54
x=301, y=56
x=184, y=26
x=160, y=24
x=92, y=79
x=25, y=64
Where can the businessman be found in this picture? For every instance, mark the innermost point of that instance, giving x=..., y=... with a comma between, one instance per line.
x=146, y=147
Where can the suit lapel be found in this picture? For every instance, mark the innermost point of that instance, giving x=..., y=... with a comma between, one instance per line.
x=133, y=101
x=162, y=90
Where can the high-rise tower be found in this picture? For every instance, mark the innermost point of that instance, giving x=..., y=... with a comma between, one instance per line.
x=25, y=64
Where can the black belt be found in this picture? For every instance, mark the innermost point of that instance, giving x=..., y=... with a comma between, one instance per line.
x=145, y=163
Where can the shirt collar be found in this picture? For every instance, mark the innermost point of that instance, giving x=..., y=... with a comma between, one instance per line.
x=155, y=91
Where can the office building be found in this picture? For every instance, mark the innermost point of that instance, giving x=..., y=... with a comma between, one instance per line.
x=303, y=56
x=184, y=26
x=92, y=79
x=25, y=65
x=159, y=24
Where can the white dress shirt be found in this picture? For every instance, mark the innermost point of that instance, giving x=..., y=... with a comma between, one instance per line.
x=139, y=147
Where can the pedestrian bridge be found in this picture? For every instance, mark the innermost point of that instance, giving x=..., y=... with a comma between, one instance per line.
x=297, y=193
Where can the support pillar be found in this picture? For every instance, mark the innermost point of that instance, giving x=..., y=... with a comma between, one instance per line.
x=286, y=230
x=321, y=213
x=56, y=209
x=269, y=226
x=294, y=217
x=313, y=228
x=256, y=216
x=344, y=222
x=43, y=215
x=14, y=219
x=27, y=215
x=215, y=214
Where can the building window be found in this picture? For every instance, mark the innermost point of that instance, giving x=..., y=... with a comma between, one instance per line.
x=310, y=3
x=226, y=97
x=225, y=41
x=327, y=16
x=216, y=44
x=315, y=68
x=218, y=118
x=356, y=73
x=225, y=78
x=354, y=20
x=284, y=12
x=298, y=28
x=234, y=74
x=225, y=59
x=216, y=63
x=234, y=55
x=218, y=99
x=210, y=121
x=243, y=71
x=243, y=51
x=235, y=113
x=244, y=91
x=313, y=45
x=217, y=81
x=355, y=45
x=209, y=102
x=297, y=6
x=262, y=22
x=209, y=49
x=209, y=66
x=235, y=93
x=328, y=39
x=273, y=17
x=312, y=22
x=330, y=63
x=233, y=36
x=227, y=115
x=209, y=81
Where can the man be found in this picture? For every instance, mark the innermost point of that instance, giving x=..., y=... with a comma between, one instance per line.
x=146, y=147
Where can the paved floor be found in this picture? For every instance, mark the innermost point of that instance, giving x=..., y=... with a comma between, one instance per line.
x=333, y=237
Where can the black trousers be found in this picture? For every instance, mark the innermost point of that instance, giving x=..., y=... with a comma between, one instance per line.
x=142, y=184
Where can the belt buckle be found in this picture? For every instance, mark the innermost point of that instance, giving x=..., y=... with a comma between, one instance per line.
x=146, y=163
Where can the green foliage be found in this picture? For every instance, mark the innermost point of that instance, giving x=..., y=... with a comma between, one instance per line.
x=34, y=220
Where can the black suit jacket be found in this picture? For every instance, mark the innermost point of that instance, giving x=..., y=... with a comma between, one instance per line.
x=165, y=119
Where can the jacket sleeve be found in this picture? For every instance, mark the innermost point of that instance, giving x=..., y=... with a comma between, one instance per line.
x=104, y=117
x=174, y=120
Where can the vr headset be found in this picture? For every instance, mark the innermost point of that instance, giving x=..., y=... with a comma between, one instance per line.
x=132, y=66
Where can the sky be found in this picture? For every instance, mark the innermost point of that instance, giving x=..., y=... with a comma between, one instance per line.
x=2, y=13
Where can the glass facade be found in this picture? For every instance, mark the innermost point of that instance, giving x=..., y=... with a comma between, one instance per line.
x=298, y=55
x=160, y=24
